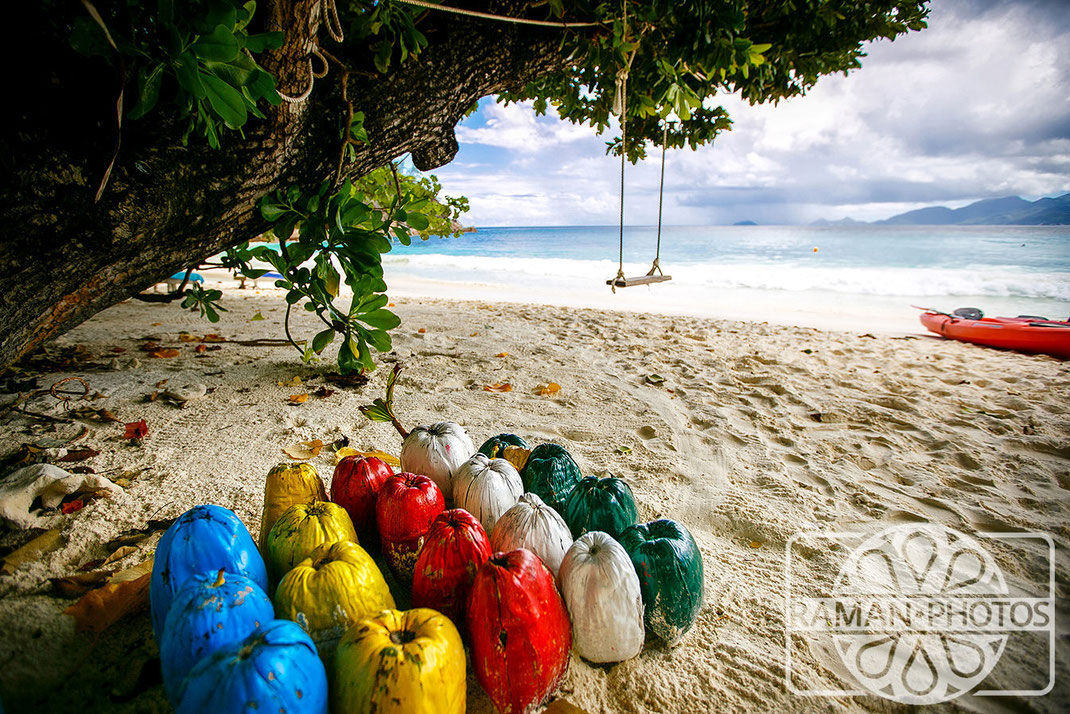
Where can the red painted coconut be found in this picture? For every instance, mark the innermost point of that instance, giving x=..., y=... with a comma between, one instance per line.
x=404, y=511
x=520, y=631
x=454, y=549
x=355, y=486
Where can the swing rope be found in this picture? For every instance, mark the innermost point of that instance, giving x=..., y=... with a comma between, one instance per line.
x=621, y=105
x=661, y=195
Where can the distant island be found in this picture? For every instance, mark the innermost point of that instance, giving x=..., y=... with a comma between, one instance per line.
x=1009, y=211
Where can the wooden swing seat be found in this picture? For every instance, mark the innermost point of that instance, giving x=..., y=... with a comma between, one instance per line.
x=640, y=280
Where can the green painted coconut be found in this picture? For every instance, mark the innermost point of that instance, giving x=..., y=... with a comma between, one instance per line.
x=596, y=504
x=494, y=447
x=551, y=474
x=669, y=566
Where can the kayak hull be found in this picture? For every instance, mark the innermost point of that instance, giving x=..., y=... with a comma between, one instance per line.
x=1010, y=333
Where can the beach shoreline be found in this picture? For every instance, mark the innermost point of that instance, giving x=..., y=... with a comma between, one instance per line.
x=745, y=432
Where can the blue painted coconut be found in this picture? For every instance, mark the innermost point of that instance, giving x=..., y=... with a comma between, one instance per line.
x=210, y=611
x=275, y=669
x=204, y=539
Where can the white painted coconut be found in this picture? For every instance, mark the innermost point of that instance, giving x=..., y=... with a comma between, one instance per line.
x=486, y=488
x=533, y=525
x=601, y=591
x=436, y=451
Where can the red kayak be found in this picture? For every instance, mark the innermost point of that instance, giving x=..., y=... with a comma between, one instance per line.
x=1025, y=334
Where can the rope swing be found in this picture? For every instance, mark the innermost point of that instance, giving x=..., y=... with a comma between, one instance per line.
x=620, y=106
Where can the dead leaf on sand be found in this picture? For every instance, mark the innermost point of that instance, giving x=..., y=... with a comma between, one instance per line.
x=498, y=387
x=79, y=584
x=298, y=398
x=502, y=354
x=136, y=430
x=304, y=451
x=120, y=553
x=548, y=389
x=40, y=546
x=290, y=382
x=164, y=353
x=99, y=609
x=80, y=454
x=257, y=316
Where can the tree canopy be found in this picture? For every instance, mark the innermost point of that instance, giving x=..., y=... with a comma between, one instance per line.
x=205, y=123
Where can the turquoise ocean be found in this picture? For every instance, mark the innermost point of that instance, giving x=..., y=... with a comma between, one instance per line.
x=827, y=276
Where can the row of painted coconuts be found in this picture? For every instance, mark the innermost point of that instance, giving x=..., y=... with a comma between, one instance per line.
x=522, y=596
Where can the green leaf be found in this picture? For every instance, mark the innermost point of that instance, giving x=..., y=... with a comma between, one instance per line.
x=219, y=46
x=418, y=221
x=322, y=339
x=148, y=93
x=265, y=41
x=380, y=340
x=382, y=319
x=189, y=77
x=348, y=361
x=225, y=100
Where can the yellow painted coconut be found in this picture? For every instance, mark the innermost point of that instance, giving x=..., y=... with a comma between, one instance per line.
x=287, y=485
x=408, y=662
x=337, y=586
x=517, y=456
x=300, y=530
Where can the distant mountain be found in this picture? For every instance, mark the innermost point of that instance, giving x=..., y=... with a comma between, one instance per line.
x=1008, y=211
x=744, y=223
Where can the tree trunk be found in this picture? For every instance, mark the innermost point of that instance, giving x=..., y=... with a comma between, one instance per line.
x=66, y=256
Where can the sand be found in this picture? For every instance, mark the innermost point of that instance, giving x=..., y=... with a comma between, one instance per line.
x=756, y=433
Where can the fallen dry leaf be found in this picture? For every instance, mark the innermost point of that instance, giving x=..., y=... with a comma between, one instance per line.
x=39, y=546
x=421, y=331
x=348, y=451
x=474, y=334
x=72, y=506
x=120, y=553
x=304, y=450
x=290, y=382
x=200, y=349
x=136, y=429
x=548, y=389
x=298, y=398
x=561, y=706
x=755, y=544
x=99, y=609
x=164, y=353
x=128, y=538
x=80, y=454
x=323, y=392
x=187, y=337
x=502, y=354
x=124, y=576
x=78, y=584
x=213, y=337
x=498, y=387
x=257, y=316
x=390, y=305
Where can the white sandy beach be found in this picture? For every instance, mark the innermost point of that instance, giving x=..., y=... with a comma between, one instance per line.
x=757, y=433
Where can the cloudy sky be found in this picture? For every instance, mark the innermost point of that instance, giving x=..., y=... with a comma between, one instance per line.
x=977, y=106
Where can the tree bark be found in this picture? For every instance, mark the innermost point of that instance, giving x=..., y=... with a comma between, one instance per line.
x=66, y=256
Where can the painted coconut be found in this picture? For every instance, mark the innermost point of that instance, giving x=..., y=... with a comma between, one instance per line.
x=210, y=611
x=288, y=485
x=335, y=587
x=400, y=663
x=486, y=488
x=436, y=451
x=494, y=447
x=601, y=591
x=520, y=631
x=669, y=565
x=600, y=504
x=551, y=474
x=455, y=547
x=355, y=487
x=407, y=505
x=300, y=530
x=533, y=525
x=203, y=539
x=275, y=669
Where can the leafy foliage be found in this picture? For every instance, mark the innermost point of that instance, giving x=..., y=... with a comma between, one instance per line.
x=680, y=56
x=198, y=54
x=340, y=238
x=206, y=301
